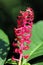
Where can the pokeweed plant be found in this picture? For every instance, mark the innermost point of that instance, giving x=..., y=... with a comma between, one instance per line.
x=23, y=33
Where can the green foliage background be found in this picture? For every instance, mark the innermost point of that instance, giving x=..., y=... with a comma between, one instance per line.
x=9, y=10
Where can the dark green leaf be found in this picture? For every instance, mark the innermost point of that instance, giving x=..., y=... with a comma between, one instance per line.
x=40, y=63
x=4, y=47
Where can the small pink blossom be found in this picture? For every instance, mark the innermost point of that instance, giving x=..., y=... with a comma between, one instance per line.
x=26, y=56
x=16, y=50
x=14, y=44
x=18, y=31
x=26, y=47
x=20, y=51
x=14, y=59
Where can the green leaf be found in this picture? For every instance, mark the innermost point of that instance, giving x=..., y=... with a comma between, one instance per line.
x=36, y=46
x=4, y=47
x=24, y=61
x=26, y=64
x=40, y=63
x=10, y=61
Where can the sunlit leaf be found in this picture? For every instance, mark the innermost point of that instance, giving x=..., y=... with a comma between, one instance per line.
x=4, y=47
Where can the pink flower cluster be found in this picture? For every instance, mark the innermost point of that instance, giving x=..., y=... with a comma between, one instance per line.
x=23, y=31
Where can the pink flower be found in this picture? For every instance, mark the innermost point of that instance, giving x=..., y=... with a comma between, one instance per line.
x=26, y=56
x=26, y=36
x=27, y=29
x=26, y=47
x=28, y=41
x=14, y=59
x=31, y=13
x=18, y=31
x=14, y=44
x=24, y=14
x=16, y=50
x=20, y=21
x=20, y=51
x=21, y=40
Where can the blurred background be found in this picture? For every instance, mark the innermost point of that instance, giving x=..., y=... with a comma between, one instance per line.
x=9, y=10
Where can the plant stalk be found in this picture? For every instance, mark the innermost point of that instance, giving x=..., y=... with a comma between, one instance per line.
x=20, y=60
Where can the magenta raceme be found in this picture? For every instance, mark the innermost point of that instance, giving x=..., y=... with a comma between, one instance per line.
x=23, y=32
